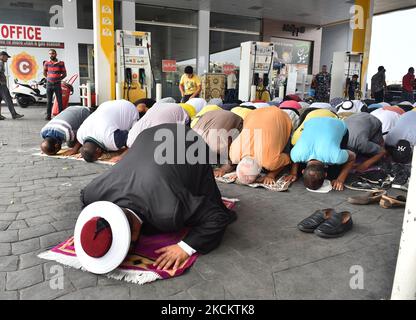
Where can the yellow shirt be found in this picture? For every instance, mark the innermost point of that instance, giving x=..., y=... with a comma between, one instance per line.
x=190, y=110
x=190, y=84
x=241, y=111
x=320, y=113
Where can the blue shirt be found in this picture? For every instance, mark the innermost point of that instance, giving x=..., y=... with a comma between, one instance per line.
x=53, y=133
x=321, y=140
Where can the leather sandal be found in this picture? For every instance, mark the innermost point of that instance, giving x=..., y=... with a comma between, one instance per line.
x=338, y=224
x=388, y=202
x=368, y=197
x=315, y=220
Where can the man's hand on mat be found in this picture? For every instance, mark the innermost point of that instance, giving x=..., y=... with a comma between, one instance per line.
x=290, y=178
x=219, y=172
x=266, y=180
x=115, y=159
x=337, y=185
x=171, y=257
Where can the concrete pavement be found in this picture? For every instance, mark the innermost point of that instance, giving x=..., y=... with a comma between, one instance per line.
x=262, y=256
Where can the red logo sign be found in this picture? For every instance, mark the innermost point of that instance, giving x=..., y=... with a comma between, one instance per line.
x=228, y=68
x=169, y=65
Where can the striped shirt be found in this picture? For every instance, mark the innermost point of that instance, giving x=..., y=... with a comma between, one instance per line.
x=54, y=71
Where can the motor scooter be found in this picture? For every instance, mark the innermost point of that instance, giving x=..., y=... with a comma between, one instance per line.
x=31, y=93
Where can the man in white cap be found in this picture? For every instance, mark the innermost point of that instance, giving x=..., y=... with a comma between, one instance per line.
x=167, y=197
x=107, y=128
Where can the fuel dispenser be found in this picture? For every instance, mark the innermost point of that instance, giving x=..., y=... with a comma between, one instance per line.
x=134, y=70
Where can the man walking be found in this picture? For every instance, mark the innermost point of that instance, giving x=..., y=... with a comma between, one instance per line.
x=54, y=71
x=4, y=90
x=408, y=83
x=378, y=84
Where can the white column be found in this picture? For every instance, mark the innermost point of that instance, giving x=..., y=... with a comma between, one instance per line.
x=203, y=42
x=404, y=286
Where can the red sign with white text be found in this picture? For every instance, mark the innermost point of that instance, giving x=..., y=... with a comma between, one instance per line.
x=168, y=65
x=228, y=68
x=17, y=32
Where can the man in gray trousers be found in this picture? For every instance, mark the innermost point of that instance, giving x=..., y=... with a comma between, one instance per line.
x=4, y=90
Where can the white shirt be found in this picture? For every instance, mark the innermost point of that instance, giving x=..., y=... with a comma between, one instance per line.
x=388, y=119
x=231, y=81
x=110, y=116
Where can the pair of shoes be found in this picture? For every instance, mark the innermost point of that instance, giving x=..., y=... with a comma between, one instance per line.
x=2, y=117
x=368, y=197
x=48, y=118
x=17, y=116
x=388, y=202
x=327, y=223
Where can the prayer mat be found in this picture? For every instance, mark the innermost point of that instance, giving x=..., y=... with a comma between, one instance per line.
x=279, y=186
x=138, y=267
x=106, y=158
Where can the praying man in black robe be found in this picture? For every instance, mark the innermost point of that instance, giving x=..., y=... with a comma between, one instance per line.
x=166, y=179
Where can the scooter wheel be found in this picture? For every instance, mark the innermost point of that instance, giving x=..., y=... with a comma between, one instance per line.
x=24, y=102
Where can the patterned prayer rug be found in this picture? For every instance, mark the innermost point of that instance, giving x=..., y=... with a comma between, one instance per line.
x=138, y=267
x=106, y=158
x=280, y=185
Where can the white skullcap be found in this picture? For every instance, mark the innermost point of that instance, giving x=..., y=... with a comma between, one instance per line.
x=248, y=170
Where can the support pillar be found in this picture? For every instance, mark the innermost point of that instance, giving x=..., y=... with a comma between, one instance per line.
x=203, y=42
x=103, y=16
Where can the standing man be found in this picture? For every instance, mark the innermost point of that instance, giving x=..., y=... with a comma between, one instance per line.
x=190, y=85
x=54, y=71
x=378, y=84
x=4, y=91
x=408, y=84
x=322, y=85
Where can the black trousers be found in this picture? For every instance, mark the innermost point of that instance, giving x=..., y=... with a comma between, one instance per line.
x=53, y=88
x=186, y=98
x=379, y=96
x=5, y=95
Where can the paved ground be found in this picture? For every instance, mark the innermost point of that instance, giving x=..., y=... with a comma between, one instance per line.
x=263, y=255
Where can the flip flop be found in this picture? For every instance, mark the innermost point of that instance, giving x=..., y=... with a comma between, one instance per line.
x=368, y=197
x=388, y=202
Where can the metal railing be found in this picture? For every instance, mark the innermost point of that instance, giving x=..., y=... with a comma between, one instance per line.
x=86, y=94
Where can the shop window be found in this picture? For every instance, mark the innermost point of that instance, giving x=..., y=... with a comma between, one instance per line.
x=175, y=41
x=86, y=62
x=35, y=13
x=166, y=15
x=227, y=32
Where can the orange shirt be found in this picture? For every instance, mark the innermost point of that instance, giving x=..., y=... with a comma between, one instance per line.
x=265, y=134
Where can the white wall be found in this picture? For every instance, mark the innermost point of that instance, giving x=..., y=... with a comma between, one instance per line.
x=335, y=38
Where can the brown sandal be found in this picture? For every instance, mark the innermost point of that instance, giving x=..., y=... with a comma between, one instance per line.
x=388, y=202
